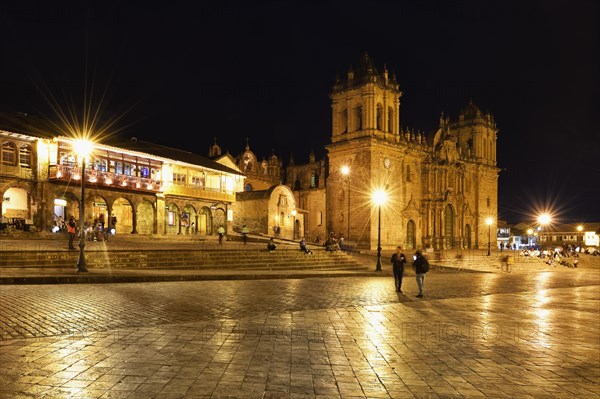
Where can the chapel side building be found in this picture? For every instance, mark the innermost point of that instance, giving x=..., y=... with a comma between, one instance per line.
x=440, y=191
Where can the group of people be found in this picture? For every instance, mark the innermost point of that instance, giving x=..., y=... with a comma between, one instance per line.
x=332, y=243
x=97, y=231
x=420, y=264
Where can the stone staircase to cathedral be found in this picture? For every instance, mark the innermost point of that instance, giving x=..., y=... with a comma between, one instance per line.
x=251, y=258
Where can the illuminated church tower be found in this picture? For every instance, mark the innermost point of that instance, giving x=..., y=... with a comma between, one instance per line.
x=439, y=190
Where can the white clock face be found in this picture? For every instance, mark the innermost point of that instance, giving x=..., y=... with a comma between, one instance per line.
x=387, y=163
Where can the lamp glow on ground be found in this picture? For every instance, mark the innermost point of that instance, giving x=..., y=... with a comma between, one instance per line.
x=379, y=197
x=489, y=221
x=83, y=148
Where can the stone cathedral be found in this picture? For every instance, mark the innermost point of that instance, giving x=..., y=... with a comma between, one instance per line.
x=440, y=188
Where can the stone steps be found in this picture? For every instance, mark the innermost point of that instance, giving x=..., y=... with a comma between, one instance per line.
x=250, y=259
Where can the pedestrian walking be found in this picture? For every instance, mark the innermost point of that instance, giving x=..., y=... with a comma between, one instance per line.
x=245, y=231
x=398, y=260
x=421, y=265
x=71, y=231
x=221, y=233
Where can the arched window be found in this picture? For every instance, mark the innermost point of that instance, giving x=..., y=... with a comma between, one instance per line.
x=319, y=218
x=390, y=119
x=449, y=227
x=248, y=187
x=9, y=153
x=359, y=118
x=379, y=117
x=410, y=235
x=25, y=156
x=344, y=121
x=314, y=180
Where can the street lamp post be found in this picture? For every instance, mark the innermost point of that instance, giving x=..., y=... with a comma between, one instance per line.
x=294, y=224
x=83, y=148
x=346, y=172
x=379, y=197
x=579, y=238
x=489, y=221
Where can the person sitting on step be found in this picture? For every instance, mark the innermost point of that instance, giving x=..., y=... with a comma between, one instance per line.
x=304, y=248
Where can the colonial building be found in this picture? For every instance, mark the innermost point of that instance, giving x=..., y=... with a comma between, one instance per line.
x=136, y=186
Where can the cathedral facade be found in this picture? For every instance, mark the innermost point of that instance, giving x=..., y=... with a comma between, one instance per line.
x=441, y=190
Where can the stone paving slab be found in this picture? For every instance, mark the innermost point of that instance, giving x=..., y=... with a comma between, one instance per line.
x=437, y=349
x=475, y=335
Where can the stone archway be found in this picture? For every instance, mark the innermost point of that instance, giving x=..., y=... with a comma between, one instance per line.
x=205, y=226
x=145, y=219
x=96, y=209
x=122, y=211
x=188, y=220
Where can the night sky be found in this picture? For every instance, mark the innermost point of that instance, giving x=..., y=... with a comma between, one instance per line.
x=181, y=73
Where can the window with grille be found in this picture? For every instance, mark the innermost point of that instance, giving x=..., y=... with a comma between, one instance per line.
x=25, y=155
x=9, y=151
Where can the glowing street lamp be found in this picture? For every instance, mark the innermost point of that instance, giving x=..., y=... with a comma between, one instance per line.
x=489, y=221
x=346, y=172
x=543, y=219
x=379, y=197
x=83, y=148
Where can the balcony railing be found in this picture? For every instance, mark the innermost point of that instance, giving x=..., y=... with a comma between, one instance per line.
x=113, y=180
x=106, y=179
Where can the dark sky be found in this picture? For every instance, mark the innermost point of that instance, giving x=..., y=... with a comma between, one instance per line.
x=180, y=73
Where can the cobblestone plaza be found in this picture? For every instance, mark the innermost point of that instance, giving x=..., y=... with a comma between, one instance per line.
x=499, y=335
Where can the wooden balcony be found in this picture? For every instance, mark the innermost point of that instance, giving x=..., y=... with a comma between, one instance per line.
x=67, y=173
x=98, y=178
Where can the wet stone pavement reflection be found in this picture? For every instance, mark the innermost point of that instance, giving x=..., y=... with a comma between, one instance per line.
x=474, y=335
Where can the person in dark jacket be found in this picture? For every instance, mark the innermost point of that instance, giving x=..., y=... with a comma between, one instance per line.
x=421, y=265
x=398, y=260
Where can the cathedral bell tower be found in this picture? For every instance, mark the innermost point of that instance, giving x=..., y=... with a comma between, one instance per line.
x=365, y=107
x=365, y=103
